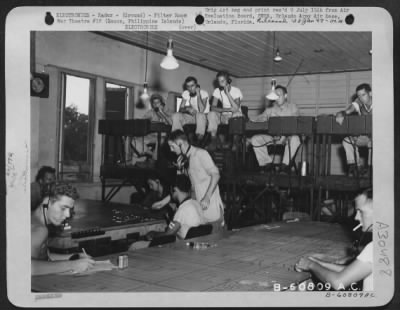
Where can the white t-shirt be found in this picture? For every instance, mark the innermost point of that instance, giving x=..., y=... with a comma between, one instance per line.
x=220, y=94
x=193, y=100
x=188, y=215
x=366, y=256
x=201, y=167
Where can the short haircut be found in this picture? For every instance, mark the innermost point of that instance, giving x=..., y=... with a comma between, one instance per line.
x=182, y=182
x=64, y=189
x=157, y=96
x=364, y=86
x=42, y=172
x=223, y=73
x=367, y=193
x=190, y=79
x=156, y=175
x=177, y=134
x=284, y=89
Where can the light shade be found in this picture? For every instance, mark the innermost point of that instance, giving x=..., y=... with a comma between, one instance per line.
x=272, y=95
x=277, y=57
x=144, y=96
x=169, y=62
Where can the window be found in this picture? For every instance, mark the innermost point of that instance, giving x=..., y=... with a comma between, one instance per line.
x=116, y=108
x=76, y=132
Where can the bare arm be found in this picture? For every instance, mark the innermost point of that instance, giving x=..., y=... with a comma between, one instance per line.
x=235, y=103
x=42, y=267
x=201, y=103
x=165, y=117
x=216, y=109
x=172, y=229
x=339, y=278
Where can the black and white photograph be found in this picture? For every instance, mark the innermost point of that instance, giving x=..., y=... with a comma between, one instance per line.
x=179, y=161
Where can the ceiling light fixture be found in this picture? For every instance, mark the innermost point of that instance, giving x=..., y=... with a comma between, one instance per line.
x=169, y=62
x=145, y=96
x=277, y=57
x=272, y=95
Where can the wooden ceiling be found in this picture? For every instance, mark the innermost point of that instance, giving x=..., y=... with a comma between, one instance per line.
x=250, y=53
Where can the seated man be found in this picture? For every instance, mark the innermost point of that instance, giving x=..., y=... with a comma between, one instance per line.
x=188, y=214
x=341, y=276
x=230, y=97
x=193, y=109
x=54, y=209
x=148, y=145
x=158, y=197
x=45, y=180
x=362, y=106
x=281, y=107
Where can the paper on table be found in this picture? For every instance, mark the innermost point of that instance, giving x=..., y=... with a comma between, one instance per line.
x=104, y=265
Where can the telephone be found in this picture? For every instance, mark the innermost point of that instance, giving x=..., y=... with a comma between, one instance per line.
x=195, y=94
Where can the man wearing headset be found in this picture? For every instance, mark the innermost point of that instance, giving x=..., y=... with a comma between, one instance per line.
x=281, y=107
x=230, y=97
x=204, y=176
x=361, y=106
x=54, y=209
x=193, y=109
x=147, y=146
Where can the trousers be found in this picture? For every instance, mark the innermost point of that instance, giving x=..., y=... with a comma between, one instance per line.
x=351, y=144
x=181, y=119
x=260, y=143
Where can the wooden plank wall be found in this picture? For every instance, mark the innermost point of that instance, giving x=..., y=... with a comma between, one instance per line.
x=314, y=94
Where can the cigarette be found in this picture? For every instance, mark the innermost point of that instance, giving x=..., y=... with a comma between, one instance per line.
x=357, y=227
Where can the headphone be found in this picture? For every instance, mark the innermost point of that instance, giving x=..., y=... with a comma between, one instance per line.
x=185, y=159
x=227, y=77
x=195, y=94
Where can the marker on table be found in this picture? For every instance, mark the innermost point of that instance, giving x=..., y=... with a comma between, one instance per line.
x=357, y=227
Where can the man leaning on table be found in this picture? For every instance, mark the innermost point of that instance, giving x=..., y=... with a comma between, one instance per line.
x=53, y=210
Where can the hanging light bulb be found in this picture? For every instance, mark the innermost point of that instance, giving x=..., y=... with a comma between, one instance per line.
x=277, y=57
x=145, y=95
x=169, y=62
x=272, y=95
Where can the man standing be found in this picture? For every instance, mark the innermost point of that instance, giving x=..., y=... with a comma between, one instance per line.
x=45, y=180
x=281, y=107
x=54, y=209
x=362, y=106
x=189, y=213
x=203, y=174
x=193, y=109
x=230, y=97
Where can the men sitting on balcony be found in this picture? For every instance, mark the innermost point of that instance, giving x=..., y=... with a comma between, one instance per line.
x=361, y=106
x=146, y=147
x=193, y=109
x=281, y=107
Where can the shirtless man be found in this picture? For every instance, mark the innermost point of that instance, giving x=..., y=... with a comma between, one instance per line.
x=54, y=209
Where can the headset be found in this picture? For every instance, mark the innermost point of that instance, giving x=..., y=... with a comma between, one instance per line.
x=195, y=94
x=227, y=77
x=184, y=165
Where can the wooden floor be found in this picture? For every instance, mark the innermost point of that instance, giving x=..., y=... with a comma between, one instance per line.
x=250, y=259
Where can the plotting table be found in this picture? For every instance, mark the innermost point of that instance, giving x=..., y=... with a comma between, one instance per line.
x=251, y=259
